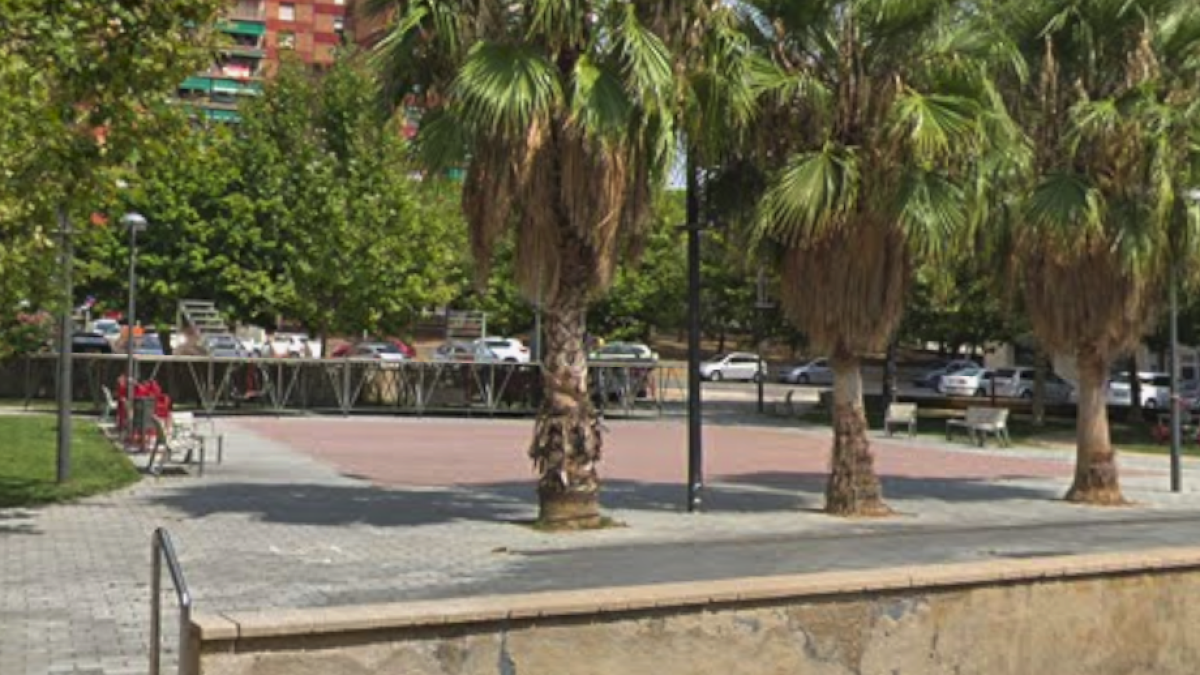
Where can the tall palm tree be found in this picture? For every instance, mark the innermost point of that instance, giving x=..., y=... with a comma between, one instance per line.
x=562, y=112
x=1113, y=106
x=890, y=116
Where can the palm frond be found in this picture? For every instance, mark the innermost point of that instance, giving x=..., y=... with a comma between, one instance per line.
x=1065, y=211
x=645, y=62
x=600, y=104
x=504, y=88
x=937, y=127
x=811, y=197
x=932, y=211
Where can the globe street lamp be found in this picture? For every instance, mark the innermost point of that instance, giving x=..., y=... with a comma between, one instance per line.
x=136, y=223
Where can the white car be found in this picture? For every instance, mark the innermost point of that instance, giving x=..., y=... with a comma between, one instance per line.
x=1020, y=383
x=509, y=350
x=816, y=371
x=1156, y=390
x=465, y=352
x=966, y=382
x=733, y=366
x=623, y=351
x=294, y=345
x=109, y=328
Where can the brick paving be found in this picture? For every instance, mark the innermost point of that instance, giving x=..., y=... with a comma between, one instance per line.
x=326, y=511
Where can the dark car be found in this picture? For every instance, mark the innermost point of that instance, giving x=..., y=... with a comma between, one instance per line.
x=90, y=343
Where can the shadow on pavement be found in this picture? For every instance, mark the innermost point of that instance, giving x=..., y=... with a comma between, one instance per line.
x=316, y=504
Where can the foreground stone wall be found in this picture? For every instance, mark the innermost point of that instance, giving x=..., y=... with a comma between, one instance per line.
x=1093, y=615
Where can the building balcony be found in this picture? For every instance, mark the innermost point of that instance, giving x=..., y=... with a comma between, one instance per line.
x=242, y=27
x=221, y=85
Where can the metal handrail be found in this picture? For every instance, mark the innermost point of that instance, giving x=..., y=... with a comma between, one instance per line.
x=163, y=549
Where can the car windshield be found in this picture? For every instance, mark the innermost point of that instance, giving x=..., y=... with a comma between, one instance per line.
x=496, y=343
x=385, y=348
x=1006, y=372
x=150, y=342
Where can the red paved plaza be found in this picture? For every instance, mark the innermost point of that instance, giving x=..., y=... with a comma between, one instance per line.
x=442, y=452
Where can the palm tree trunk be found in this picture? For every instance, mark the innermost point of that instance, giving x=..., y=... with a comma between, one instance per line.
x=1095, y=462
x=566, y=440
x=853, y=488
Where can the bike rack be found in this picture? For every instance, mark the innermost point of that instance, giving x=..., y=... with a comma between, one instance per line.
x=163, y=549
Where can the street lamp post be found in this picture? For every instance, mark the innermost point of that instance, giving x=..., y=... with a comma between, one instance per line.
x=695, y=473
x=761, y=307
x=1176, y=435
x=136, y=223
x=65, y=398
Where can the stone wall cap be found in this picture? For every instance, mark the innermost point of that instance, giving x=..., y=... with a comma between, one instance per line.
x=490, y=609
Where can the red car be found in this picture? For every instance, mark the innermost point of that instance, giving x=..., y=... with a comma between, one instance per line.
x=345, y=348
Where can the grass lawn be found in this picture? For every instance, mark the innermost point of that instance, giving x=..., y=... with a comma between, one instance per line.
x=27, y=462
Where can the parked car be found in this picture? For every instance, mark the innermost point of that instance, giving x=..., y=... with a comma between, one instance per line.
x=89, y=342
x=733, y=366
x=346, y=347
x=510, y=350
x=1156, y=390
x=148, y=345
x=293, y=345
x=380, y=351
x=224, y=346
x=974, y=381
x=623, y=351
x=816, y=371
x=1020, y=383
x=464, y=351
x=109, y=328
x=932, y=377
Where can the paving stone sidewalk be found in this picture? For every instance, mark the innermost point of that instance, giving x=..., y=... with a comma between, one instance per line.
x=312, y=512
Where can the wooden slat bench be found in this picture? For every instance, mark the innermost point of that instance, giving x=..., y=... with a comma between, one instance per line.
x=979, y=422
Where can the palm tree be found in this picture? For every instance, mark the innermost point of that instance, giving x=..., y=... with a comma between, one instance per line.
x=1113, y=106
x=562, y=112
x=891, y=117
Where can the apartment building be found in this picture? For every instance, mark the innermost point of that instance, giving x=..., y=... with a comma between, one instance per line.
x=256, y=34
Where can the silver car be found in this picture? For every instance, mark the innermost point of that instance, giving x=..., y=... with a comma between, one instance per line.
x=967, y=382
x=817, y=371
x=733, y=366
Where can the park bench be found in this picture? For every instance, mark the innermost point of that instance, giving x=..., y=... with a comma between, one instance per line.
x=108, y=413
x=179, y=441
x=979, y=422
x=900, y=414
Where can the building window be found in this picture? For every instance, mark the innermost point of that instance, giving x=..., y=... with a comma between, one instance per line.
x=287, y=39
x=339, y=25
x=287, y=11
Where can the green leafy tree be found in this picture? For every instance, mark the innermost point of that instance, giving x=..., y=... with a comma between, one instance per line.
x=85, y=87
x=1113, y=107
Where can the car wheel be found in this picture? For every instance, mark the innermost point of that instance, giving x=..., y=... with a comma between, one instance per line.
x=1152, y=404
x=981, y=392
x=510, y=360
x=803, y=379
x=1027, y=394
x=757, y=377
x=715, y=376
